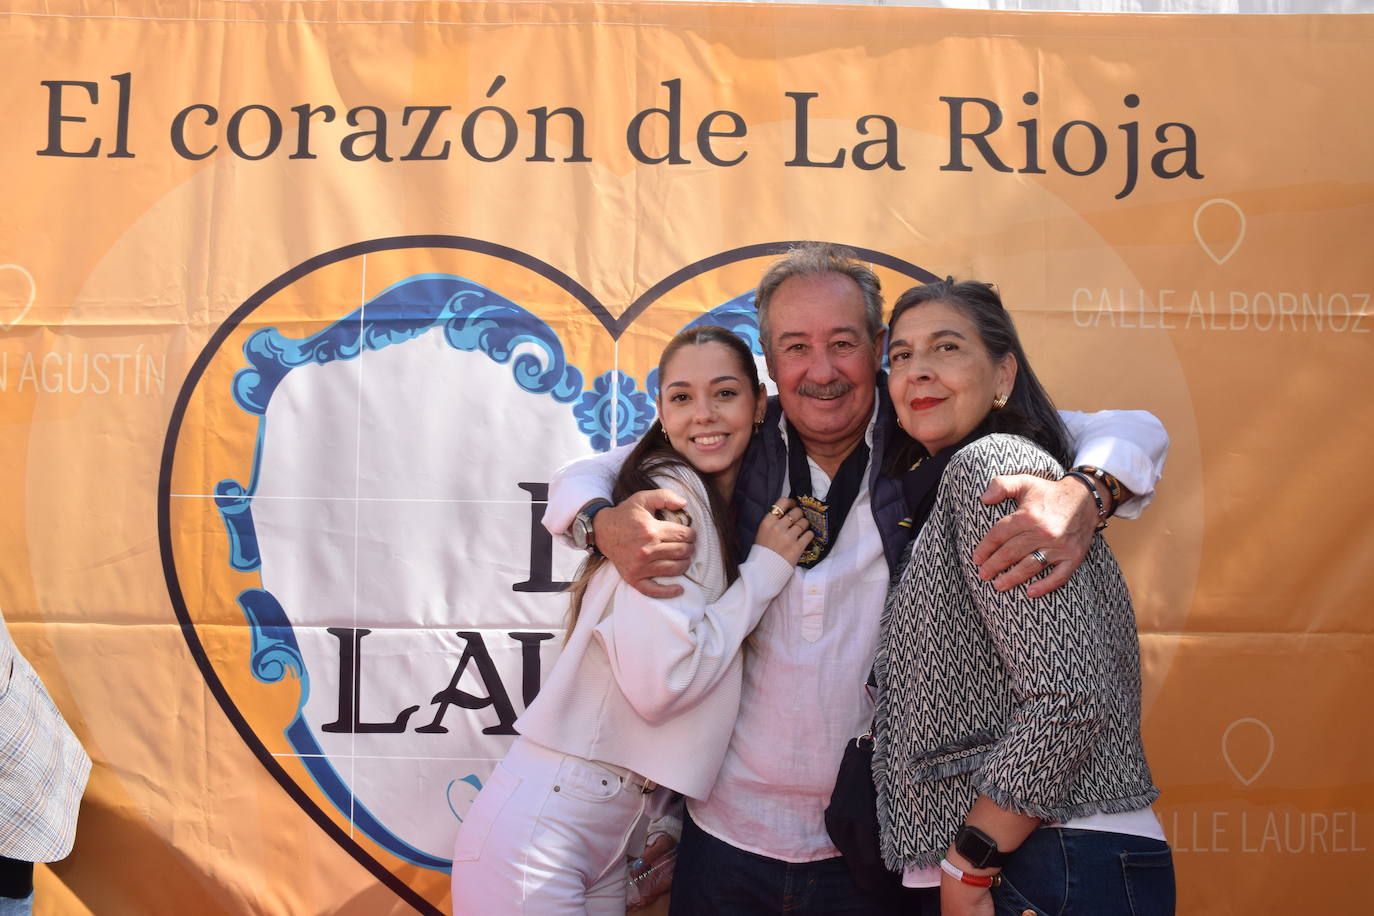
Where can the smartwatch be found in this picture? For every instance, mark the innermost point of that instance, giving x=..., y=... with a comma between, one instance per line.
x=979, y=848
x=580, y=531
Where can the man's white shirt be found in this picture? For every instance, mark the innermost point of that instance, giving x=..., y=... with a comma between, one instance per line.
x=806, y=663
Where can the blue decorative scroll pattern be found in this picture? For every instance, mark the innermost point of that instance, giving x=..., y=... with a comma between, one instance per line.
x=613, y=405
x=474, y=319
x=737, y=315
x=275, y=653
x=236, y=511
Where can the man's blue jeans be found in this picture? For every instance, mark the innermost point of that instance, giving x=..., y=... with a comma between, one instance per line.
x=713, y=878
x=1061, y=872
x=12, y=906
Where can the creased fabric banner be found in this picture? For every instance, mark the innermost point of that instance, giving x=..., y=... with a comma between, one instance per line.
x=301, y=304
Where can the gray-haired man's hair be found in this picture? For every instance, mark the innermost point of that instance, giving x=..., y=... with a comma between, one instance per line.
x=812, y=259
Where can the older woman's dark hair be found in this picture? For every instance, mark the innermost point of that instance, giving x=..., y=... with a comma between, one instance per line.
x=1029, y=411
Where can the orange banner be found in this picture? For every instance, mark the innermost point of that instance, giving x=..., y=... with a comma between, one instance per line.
x=301, y=305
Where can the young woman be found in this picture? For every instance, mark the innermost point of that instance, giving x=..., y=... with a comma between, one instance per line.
x=1008, y=759
x=644, y=696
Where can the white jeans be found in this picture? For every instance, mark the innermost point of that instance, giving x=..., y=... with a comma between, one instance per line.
x=546, y=835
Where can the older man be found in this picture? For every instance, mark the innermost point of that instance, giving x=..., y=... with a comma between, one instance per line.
x=758, y=844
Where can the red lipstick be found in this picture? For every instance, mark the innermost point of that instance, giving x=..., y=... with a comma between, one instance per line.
x=925, y=403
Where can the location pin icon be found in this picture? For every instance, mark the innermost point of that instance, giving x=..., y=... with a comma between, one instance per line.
x=1245, y=746
x=1224, y=221
x=16, y=286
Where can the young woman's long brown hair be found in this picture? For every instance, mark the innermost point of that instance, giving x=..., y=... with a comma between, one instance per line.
x=653, y=454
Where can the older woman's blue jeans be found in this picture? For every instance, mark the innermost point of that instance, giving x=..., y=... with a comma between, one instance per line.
x=1062, y=872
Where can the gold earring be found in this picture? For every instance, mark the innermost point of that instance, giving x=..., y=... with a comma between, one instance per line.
x=999, y=402
x=758, y=424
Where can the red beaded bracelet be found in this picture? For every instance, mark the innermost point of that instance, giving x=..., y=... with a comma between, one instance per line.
x=959, y=874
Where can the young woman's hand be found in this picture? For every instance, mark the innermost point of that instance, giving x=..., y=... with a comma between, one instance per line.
x=784, y=531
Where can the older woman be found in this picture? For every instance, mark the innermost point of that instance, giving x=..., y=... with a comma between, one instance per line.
x=1008, y=759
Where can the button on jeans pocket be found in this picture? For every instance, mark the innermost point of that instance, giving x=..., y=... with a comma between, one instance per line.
x=483, y=813
x=587, y=781
x=1008, y=901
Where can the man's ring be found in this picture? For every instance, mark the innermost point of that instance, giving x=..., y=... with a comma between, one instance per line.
x=775, y=512
x=1044, y=563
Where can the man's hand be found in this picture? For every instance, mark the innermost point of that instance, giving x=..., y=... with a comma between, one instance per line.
x=1057, y=518
x=641, y=547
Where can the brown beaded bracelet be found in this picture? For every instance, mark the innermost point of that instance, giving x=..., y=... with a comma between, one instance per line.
x=1112, y=483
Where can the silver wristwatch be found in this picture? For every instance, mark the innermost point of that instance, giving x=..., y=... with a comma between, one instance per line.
x=583, y=537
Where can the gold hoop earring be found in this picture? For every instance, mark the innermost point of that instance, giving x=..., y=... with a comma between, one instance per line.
x=1000, y=401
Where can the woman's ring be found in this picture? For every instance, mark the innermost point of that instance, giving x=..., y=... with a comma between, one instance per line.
x=1044, y=563
x=775, y=512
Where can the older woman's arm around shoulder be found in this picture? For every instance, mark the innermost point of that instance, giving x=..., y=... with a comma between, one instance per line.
x=1052, y=649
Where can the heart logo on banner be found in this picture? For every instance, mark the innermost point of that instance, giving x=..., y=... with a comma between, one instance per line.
x=8, y=323
x=1230, y=752
x=487, y=349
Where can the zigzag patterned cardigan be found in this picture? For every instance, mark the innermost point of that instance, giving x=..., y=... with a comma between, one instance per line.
x=1032, y=702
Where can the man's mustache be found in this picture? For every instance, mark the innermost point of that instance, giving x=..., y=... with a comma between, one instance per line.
x=835, y=389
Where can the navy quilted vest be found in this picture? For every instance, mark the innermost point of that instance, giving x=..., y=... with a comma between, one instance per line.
x=765, y=467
